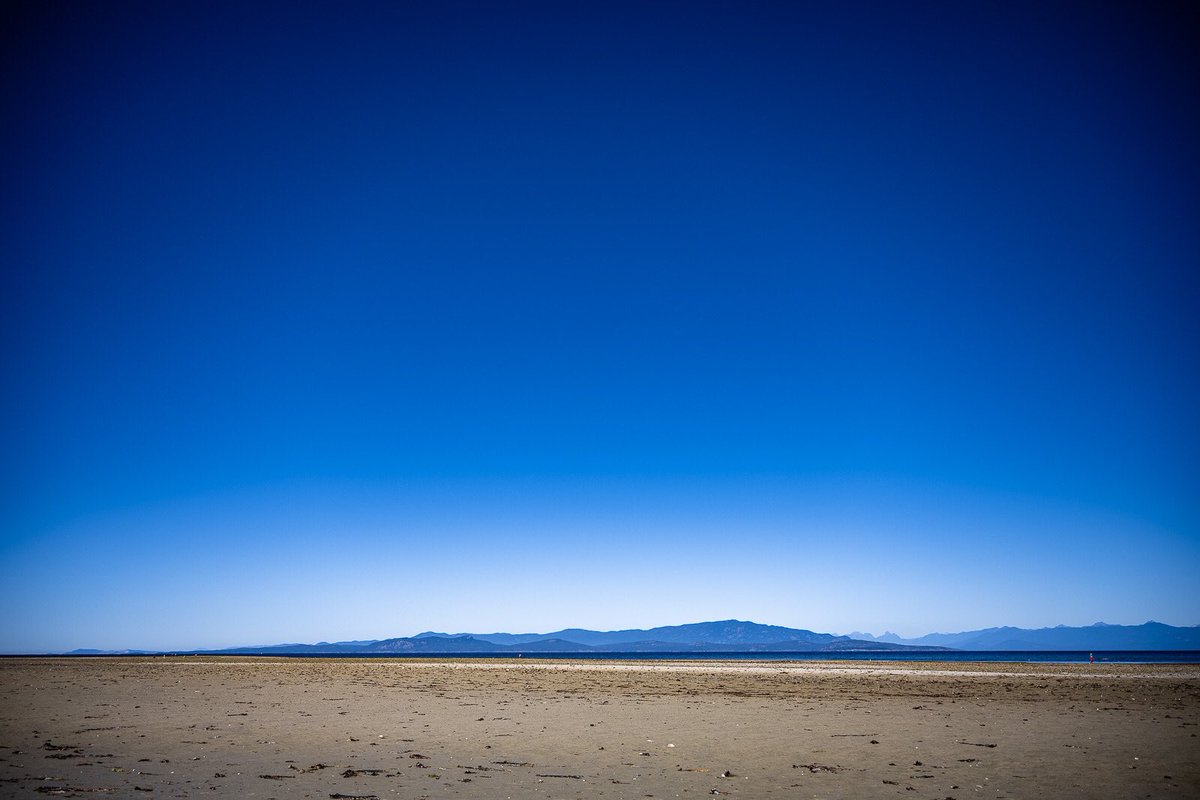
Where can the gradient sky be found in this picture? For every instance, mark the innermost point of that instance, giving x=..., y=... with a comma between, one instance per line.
x=352, y=320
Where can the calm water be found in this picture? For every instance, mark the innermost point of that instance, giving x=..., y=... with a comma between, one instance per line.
x=1026, y=656
x=1042, y=656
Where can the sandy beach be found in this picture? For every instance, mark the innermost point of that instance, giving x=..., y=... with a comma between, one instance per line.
x=375, y=728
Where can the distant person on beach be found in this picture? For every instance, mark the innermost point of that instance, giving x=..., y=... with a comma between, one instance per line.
x=1091, y=658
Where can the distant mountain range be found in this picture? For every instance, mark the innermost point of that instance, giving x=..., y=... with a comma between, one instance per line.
x=733, y=636
x=1100, y=636
x=725, y=636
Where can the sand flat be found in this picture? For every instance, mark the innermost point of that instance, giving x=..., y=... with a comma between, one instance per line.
x=327, y=728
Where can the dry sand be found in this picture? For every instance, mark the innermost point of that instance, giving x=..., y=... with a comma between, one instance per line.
x=341, y=728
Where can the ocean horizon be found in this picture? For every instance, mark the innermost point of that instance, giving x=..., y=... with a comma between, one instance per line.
x=947, y=656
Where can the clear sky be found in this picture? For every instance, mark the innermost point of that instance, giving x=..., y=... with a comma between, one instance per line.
x=352, y=320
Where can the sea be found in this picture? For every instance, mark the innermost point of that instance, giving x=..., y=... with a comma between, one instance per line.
x=947, y=656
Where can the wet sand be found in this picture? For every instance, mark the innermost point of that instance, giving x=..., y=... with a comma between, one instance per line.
x=342, y=728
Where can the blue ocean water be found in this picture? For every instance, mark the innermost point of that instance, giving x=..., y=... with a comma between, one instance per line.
x=997, y=656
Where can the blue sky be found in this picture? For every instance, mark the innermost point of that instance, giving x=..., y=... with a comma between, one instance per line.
x=353, y=320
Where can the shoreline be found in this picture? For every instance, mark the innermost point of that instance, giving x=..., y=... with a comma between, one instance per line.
x=1129, y=669
x=963, y=657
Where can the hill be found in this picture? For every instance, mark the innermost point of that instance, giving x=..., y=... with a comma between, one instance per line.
x=1100, y=636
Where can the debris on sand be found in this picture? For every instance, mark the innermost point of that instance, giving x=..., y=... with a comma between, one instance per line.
x=67, y=791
